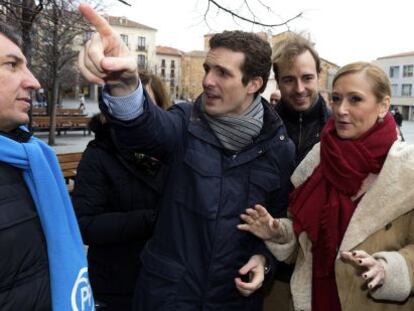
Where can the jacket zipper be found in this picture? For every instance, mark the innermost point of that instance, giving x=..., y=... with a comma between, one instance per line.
x=300, y=132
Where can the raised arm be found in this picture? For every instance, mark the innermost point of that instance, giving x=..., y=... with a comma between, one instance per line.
x=105, y=59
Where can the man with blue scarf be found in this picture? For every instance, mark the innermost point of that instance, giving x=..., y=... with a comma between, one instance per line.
x=42, y=263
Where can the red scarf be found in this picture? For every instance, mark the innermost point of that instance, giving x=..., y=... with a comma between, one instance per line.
x=322, y=206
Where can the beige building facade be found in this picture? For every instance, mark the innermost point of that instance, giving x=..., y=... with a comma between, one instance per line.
x=168, y=68
x=138, y=37
x=192, y=74
x=400, y=70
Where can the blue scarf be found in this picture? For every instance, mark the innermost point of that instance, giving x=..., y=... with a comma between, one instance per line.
x=68, y=270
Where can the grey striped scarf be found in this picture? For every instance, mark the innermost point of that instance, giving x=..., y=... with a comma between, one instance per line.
x=237, y=132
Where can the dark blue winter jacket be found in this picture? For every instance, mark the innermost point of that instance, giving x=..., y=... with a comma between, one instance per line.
x=196, y=250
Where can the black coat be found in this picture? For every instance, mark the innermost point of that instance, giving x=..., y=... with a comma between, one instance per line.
x=304, y=127
x=196, y=251
x=398, y=118
x=115, y=199
x=24, y=267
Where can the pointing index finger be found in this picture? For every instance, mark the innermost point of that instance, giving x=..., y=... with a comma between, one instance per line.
x=101, y=25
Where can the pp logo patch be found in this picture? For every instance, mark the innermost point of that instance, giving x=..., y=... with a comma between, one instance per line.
x=81, y=297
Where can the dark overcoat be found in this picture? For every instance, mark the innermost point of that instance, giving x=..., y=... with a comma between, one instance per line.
x=194, y=256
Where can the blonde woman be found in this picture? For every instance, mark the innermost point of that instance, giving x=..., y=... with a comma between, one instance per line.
x=351, y=225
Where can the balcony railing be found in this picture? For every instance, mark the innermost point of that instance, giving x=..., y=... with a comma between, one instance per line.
x=142, y=48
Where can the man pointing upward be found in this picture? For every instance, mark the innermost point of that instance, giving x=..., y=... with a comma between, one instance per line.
x=226, y=152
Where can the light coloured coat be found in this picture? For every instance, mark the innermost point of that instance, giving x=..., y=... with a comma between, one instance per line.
x=382, y=225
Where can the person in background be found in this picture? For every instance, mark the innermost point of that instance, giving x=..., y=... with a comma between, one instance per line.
x=115, y=197
x=41, y=98
x=155, y=89
x=398, y=118
x=227, y=151
x=42, y=264
x=296, y=66
x=275, y=98
x=351, y=230
x=82, y=102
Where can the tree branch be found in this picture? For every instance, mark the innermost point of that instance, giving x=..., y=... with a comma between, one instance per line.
x=252, y=21
x=124, y=2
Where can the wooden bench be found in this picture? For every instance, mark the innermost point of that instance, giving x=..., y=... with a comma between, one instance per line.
x=73, y=123
x=40, y=123
x=63, y=124
x=69, y=163
x=41, y=111
x=70, y=112
x=38, y=111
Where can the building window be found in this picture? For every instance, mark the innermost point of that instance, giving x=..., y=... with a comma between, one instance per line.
x=406, y=89
x=141, y=44
x=162, y=63
x=172, y=64
x=394, y=71
x=123, y=21
x=163, y=72
x=142, y=62
x=394, y=89
x=124, y=38
x=172, y=75
x=408, y=70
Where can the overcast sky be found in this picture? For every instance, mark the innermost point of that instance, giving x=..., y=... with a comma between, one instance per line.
x=344, y=31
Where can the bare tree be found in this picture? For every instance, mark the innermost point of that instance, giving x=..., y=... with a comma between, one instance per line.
x=49, y=28
x=246, y=6
x=23, y=14
x=54, y=54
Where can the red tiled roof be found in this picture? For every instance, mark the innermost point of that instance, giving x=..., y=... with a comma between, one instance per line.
x=125, y=22
x=398, y=55
x=166, y=50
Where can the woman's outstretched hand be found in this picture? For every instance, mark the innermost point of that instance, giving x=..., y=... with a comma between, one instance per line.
x=374, y=273
x=259, y=222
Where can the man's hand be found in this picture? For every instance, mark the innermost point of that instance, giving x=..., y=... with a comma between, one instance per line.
x=105, y=58
x=259, y=222
x=374, y=273
x=254, y=269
